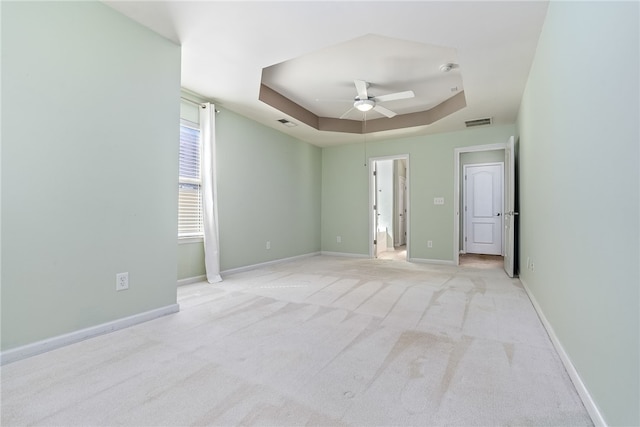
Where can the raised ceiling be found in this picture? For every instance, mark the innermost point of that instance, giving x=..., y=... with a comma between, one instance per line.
x=316, y=90
x=229, y=47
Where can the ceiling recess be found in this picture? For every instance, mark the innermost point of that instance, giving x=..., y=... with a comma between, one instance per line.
x=315, y=89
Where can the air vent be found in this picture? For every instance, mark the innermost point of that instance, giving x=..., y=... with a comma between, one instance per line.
x=287, y=123
x=478, y=122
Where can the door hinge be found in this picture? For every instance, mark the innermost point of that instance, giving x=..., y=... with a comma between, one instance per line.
x=465, y=177
x=375, y=242
x=374, y=207
x=465, y=208
x=465, y=239
x=374, y=173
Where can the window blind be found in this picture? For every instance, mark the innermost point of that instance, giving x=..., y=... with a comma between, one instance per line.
x=189, y=183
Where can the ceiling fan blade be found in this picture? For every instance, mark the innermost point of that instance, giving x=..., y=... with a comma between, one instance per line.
x=333, y=100
x=384, y=111
x=393, y=96
x=346, y=113
x=361, y=88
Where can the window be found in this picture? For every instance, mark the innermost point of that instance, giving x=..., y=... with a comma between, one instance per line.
x=189, y=182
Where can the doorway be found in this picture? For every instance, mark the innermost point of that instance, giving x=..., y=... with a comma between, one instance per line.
x=389, y=201
x=502, y=152
x=482, y=208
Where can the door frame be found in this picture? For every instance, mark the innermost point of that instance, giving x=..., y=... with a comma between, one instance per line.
x=372, y=212
x=401, y=195
x=502, y=207
x=456, y=191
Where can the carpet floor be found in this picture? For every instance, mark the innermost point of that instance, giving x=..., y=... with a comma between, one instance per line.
x=322, y=341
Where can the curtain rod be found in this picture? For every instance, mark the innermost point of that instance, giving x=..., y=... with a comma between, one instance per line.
x=190, y=101
x=197, y=104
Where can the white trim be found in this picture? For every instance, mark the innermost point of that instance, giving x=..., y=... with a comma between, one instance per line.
x=190, y=280
x=486, y=147
x=583, y=392
x=431, y=261
x=264, y=264
x=456, y=189
x=344, y=254
x=49, y=344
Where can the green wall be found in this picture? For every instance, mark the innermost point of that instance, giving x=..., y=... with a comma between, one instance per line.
x=579, y=194
x=268, y=190
x=345, y=190
x=90, y=103
x=191, y=260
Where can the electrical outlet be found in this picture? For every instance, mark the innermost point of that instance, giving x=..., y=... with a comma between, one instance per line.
x=438, y=200
x=339, y=239
x=122, y=281
x=429, y=243
x=530, y=265
x=268, y=244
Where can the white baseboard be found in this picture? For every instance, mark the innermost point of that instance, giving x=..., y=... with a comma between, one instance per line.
x=344, y=254
x=49, y=344
x=582, y=390
x=264, y=264
x=431, y=261
x=190, y=280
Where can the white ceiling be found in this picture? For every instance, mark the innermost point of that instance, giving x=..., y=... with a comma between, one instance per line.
x=227, y=44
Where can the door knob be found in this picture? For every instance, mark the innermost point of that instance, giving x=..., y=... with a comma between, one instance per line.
x=498, y=214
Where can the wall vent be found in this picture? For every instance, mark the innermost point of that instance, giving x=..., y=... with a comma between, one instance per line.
x=478, y=122
x=287, y=123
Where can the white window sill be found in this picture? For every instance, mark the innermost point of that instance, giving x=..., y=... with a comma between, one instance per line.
x=187, y=240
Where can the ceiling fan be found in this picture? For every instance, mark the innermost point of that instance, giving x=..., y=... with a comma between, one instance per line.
x=365, y=102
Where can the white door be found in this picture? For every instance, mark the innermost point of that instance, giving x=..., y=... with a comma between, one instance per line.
x=402, y=211
x=483, y=208
x=509, y=203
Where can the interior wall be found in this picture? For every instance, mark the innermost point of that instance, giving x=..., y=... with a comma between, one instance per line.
x=269, y=190
x=89, y=168
x=345, y=200
x=579, y=194
x=289, y=174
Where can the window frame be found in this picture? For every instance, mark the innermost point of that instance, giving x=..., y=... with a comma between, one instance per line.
x=192, y=237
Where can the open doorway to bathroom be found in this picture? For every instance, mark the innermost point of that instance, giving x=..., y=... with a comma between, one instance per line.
x=389, y=197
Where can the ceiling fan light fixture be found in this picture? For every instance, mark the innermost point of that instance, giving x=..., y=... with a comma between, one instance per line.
x=364, y=104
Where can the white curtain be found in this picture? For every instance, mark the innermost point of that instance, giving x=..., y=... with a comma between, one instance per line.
x=210, y=192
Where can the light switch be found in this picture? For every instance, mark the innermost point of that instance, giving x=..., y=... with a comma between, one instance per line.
x=438, y=200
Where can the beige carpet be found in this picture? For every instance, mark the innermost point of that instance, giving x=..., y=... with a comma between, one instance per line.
x=320, y=341
x=481, y=261
x=398, y=253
